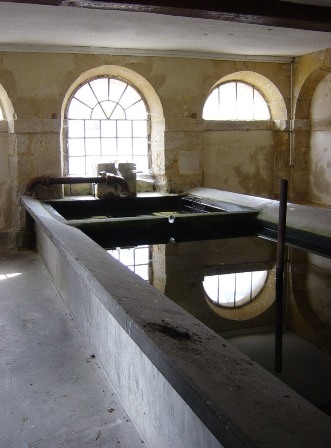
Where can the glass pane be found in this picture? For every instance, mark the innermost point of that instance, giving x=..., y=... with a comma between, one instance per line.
x=92, y=165
x=141, y=163
x=86, y=95
x=75, y=128
x=76, y=147
x=108, y=128
x=99, y=113
x=92, y=146
x=124, y=129
x=124, y=146
x=210, y=284
x=243, y=287
x=78, y=110
x=100, y=88
x=129, y=97
x=137, y=111
x=116, y=89
x=142, y=255
x=118, y=113
x=228, y=106
x=127, y=257
x=211, y=107
x=139, y=128
x=108, y=108
x=92, y=128
x=140, y=147
x=108, y=146
x=258, y=280
x=226, y=289
x=261, y=110
x=142, y=271
x=245, y=104
x=76, y=165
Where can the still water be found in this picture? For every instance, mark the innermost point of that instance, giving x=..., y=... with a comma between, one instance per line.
x=228, y=284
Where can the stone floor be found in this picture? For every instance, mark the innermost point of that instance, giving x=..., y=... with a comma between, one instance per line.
x=52, y=391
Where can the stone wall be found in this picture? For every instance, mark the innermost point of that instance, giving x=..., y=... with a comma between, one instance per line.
x=187, y=151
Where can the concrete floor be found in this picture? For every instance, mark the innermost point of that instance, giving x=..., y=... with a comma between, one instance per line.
x=52, y=391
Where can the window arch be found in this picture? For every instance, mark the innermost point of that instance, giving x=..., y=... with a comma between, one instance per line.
x=235, y=289
x=108, y=121
x=235, y=100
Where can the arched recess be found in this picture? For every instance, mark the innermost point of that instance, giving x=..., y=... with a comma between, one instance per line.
x=305, y=129
x=6, y=104
x=269, y=91
x=8, y=173
x=151, y=98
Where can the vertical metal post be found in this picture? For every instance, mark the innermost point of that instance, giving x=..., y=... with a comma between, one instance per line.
x=280, y=276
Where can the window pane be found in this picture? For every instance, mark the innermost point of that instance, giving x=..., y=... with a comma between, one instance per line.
x=228, y=101
x=86, y=95
x=141, y=255
x=124, y=128
x=129, y=97
x=108, y=128
x=243, y=287
x=211, y=107
x=78, y=110
x=124, y=146
x=245, y=104
x=227, y=284
x=99, y=112
x=261, y=109
x=92, y=128
x=100, y=88
x=75, y=128
x=108, y=146
x=92, y=165
x=140, y=147
x=142, y=271
x=141, y=163
x=139, y=128
x=76, y=146
x=116, y=89
x=77, y=165
x=138, y=110
x=127, y=257
x=118, y=113
x=92, y=146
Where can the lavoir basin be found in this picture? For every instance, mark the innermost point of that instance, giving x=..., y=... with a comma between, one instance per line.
x=181, y=382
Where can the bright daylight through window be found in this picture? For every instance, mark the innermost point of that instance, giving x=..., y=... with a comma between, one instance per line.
x=234, y=290
x=107, y=122
x=235, y=101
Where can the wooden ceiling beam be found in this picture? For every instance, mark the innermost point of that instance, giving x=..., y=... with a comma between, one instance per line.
x=275, y=13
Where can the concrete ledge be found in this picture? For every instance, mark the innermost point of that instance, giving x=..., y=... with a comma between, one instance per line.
x=306, y=226
x=181, y=384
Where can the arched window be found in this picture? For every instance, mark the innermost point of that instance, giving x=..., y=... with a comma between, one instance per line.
x=107, y=122
x=235, y=100
x=234, y=290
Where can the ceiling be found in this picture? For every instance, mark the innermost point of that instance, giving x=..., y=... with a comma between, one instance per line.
x=110, y=27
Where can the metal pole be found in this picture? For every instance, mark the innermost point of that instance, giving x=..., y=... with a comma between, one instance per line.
x=280, y=276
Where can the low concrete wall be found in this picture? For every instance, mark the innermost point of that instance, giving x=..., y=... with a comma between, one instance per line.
x=306, y=226
x=181, y=384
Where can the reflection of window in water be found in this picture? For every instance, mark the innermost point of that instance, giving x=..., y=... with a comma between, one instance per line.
x=135, y=258
x=233, y=290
